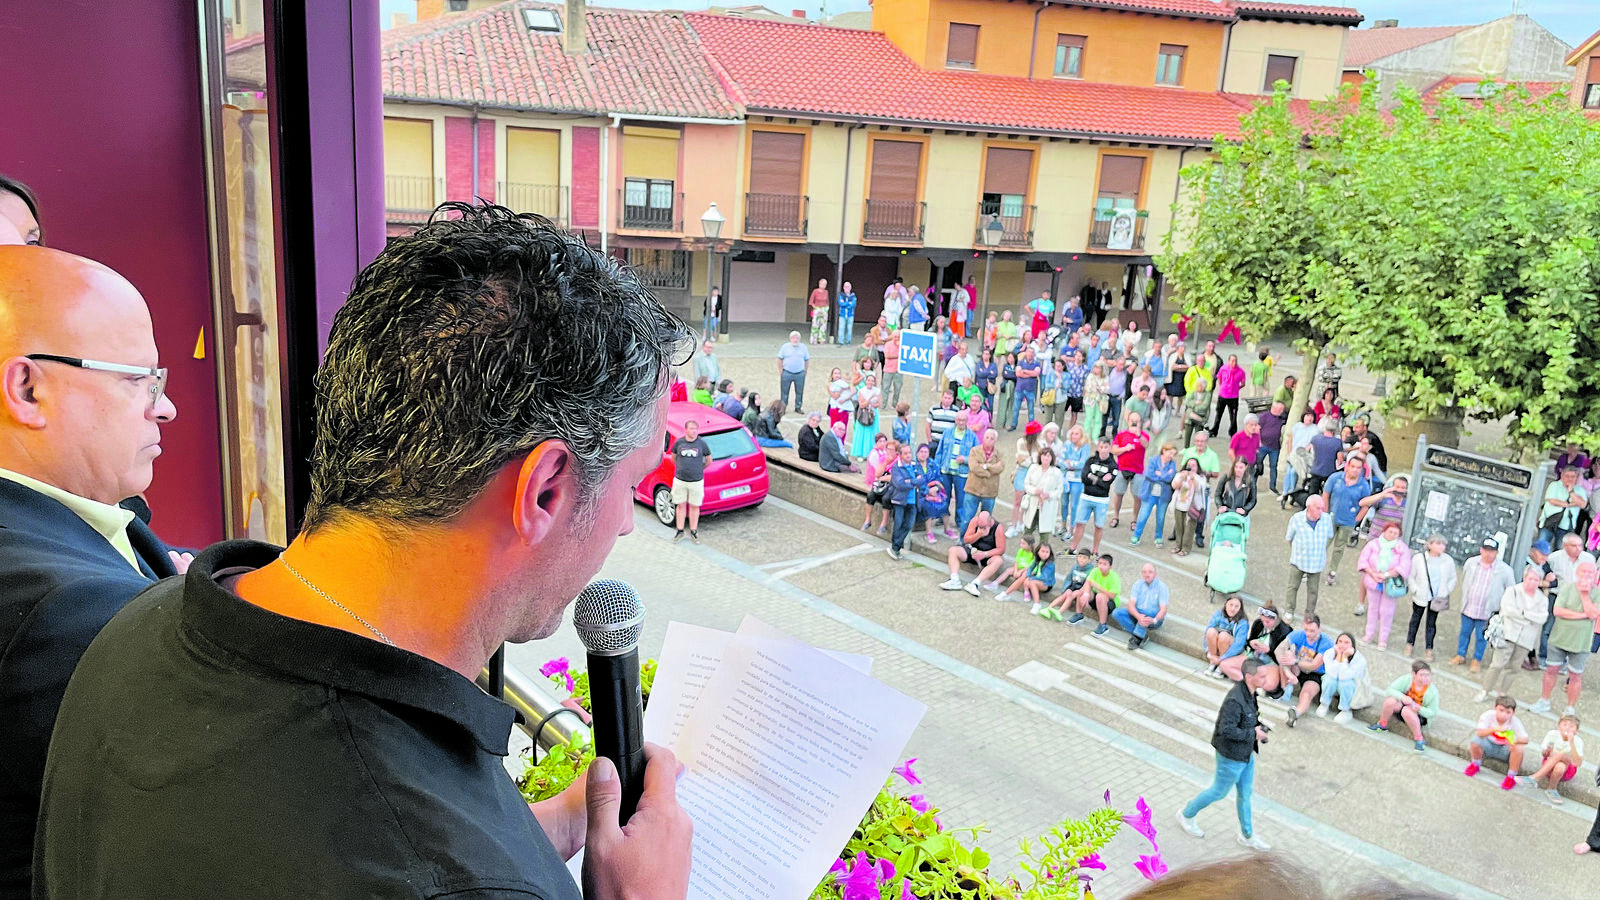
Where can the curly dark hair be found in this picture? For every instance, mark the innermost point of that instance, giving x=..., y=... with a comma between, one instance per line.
x=468, y=343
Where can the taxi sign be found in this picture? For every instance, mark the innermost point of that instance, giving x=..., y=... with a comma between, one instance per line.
x=917, y=353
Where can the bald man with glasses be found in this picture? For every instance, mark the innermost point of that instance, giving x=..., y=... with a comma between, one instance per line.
x=82, y=402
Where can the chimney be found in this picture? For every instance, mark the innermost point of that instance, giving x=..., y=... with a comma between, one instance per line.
x=797, y=14
x=1386, y=23
x=575, y=36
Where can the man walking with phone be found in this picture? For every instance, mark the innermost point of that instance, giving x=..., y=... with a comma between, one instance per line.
x=1238, y=735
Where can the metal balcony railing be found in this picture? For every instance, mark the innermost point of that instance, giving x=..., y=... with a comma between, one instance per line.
x=651, y=209
x=895, y=221
x=1100, y=232
x=1016, y=231
x=411, y=198
x=776, y=215
x=548, y=200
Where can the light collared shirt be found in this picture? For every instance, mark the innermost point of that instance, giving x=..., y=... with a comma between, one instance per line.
x=1308, y=542
x=1149, y=596
x=1482, y=587
x=110, y=521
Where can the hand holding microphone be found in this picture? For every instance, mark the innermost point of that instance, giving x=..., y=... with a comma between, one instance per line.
x=638, y=837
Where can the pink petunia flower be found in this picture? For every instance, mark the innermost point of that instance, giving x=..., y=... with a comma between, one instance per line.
x=1151, y=867
x=1142, y=824
x=918, y=803
x=905, y=890
x=559, y=666
x=1092, y=861
x=862, y=881
x=905, y=771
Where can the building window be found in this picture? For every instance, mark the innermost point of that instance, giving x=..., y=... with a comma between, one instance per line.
x=961, y=51
x=1069, y=55
x=1169, y=64
x=1591, y=90
x=458, y=5
x=1279, y=68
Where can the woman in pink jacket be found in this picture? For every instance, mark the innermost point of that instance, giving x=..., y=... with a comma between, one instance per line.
x=1384, y=557
x=1230, y=381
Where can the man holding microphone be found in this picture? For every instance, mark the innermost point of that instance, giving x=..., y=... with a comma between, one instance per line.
x=304, y=722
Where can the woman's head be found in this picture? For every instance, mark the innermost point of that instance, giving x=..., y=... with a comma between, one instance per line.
x=1047, y=457
x=1191, y=465
x=1050, y=432
x=1044, y=553
x=1345, y=642
x=988, y=355
x=903, y=409
x=1075, y=435
x=836, y=374
x=1060, y=364
x=880, y=442
x=752, y=399
x=776, y=409
x=1328, y=394
x=1309, y=417
x=1391, y=531
x=1168, y=451
x=813, y=420
x=1531, y=576
x=1233, y=608
x=20, y=208
x=1436, y=544
x=872, y=381
x=905, y=453
x=922, y=452
x=703, y=383
x=1241, y=469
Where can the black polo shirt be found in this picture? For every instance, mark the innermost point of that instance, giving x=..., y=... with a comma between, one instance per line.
x=209, y=748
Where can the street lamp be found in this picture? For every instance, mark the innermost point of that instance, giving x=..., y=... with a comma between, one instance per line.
x=991, y=233
x=712, y=222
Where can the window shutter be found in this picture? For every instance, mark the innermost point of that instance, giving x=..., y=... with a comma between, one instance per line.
x=1594, y=70
x=1006, y=171
x=1279, y=68
x=1069, y=54
x=895, y=166
x=1121, y=178
x=650, y=153
x=775, y=162
x=962, y=48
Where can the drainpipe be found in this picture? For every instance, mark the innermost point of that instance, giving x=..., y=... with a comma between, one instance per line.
x=1033, y=45
x=844, y=206
x=475, y=164
x=1154, y=303
x=605, y=183
x=1227, y=41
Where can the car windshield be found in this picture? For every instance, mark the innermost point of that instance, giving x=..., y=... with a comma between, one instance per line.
x=730, y=443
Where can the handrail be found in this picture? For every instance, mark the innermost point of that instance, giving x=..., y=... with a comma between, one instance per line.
x=535, y=703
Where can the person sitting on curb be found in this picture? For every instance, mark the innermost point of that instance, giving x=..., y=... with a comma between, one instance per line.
x=830, y=452
x=1310, y=645
x=1267, y=633
x=1148, y=609
x=1020, y=563
x=1562, y=750
x=1415, y=698
x=1500, y=735
x=1346, y=670
x=1100, y=594
x=1072, y=591
x=809, y=442
x=1226, y=632
x=1037, y=582
x=982, y=543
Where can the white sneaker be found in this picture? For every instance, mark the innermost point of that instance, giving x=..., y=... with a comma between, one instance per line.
x=953, y=584
x=1011, y=532
x=1482, y=696
x=972, y=588
x=1002, y=596
x=1554, y=795
x=1036, y=608
x=1189, y=825
x=1254, y=843
x=1570, y=711
x=1344, y=717
x=1322, y=711
x=1542, y=705
x=992, y=587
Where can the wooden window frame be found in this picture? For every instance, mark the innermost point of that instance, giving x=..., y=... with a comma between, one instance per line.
x=1162, y=55
x=1082, y=46
x=977, y=35
x=1591, y=87
x=1266, y=64
x=1144, y=178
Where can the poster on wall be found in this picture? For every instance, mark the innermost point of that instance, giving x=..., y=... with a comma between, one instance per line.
x=1122, y=228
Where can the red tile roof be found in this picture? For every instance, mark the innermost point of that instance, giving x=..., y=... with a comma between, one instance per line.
x=1537, y=90
x=792, y=68
x=1187, y=9
x=1295, y=12
x=643, y=63
x=1368, y=45
x=1582, y=50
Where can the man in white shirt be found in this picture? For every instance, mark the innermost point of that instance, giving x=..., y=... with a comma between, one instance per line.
x=959, y=368
x=82, y=401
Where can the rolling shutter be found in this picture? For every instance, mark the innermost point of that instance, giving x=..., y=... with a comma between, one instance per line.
x=1006, y=171
x=776, y=162
x=895, y=167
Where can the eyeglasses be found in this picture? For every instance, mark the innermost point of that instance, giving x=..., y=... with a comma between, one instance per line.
x=157, y=387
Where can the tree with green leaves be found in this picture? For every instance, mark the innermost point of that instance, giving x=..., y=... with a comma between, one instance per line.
x=1448, y=242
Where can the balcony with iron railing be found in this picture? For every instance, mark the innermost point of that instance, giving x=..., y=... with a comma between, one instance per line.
x=548, y=200
x=894, y=221
x=411, y=198
x=650, y=210
x=1103, y=236
x=776, y=215
x=1016, y=231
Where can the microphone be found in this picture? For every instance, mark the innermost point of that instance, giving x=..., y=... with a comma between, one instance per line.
x=609, y=620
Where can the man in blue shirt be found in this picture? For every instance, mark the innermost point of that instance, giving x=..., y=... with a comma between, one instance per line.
x=847, y=314
x=1343, y=496
x=1028, y=370
x=1309, y=644
x=1148, y=610
x=1325, y=449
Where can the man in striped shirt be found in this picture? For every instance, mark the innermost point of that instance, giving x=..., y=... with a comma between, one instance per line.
x=1484, y=580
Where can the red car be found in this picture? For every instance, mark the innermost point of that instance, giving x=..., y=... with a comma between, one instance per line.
x=736, y=476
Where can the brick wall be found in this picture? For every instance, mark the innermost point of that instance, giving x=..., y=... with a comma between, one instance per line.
x=458, y=152
x=585, y=177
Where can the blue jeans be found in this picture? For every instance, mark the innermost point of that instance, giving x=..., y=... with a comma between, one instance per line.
x=1344, y=689
x=798, y=379
x=1127, y=623
x=847, y=329
x=1069, y=503
x=1159, y=507
x=1240, y=776
x=955, y=487
x=1024, y=396
x=1290, y=479
x=1272, y=453
x=1113, y=416
x=969, y=508
x=1470, y=627
x=905, y=516
x=769, y=442
x=1544, y=633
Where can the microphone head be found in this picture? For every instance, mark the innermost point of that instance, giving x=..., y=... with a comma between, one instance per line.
x=609, y=618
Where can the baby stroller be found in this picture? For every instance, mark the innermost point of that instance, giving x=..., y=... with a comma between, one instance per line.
x=1305, y=483
x=1225, y=566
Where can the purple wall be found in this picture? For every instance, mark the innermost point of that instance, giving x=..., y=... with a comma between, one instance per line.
x=102, y=119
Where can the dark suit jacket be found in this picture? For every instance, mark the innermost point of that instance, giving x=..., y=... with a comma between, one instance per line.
x=60, y=582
